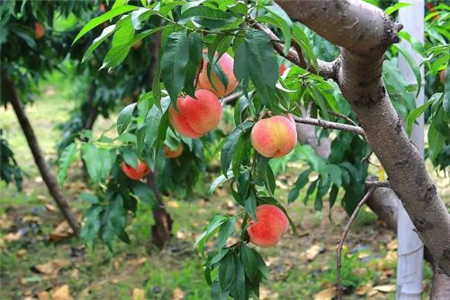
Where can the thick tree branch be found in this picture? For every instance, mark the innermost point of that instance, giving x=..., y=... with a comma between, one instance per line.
x=326, y=69
x=352, y=24
x=329, y=125
x=364, y=32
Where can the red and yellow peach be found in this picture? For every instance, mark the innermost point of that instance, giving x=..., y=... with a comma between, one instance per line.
x=196, y=116
x=270, y=226
x=275, y=136
x=169, y=153
x=135, y=173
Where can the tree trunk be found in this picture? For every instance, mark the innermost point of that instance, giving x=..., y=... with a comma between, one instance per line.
x=162, y=229
x=364, y=33
x=39, y=159
x=384, y=203
x=91, y=108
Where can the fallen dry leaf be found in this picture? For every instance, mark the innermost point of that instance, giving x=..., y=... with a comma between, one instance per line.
x=61, y=293
x=177, y=294
x=52, y=267
x=327, y=294
x=5, y=223
x=75, y=274
x=312, y=252
x=12, y=237
x=388, y=288
x=361, y=291
x=31, y=219
x=61, y=232
x=50, y=207
x=392, y=245
x=21, y=253
x=172, y=204
x=43, y=295
x=138, y=294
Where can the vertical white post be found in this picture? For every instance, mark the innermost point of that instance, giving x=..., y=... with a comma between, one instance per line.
x=410, y=247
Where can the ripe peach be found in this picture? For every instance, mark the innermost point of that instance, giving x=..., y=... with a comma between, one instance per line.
x=275, y=136
x=196, y=116
x=138, y=173
x=442, y=76
x=39, y=31
x=282, y=69
x=169, y=153
x=270, y=226
x=225, y=62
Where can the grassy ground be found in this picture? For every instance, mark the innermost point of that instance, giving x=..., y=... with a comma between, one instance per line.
x=302, y=266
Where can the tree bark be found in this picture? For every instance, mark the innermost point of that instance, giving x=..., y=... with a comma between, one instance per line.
x=44, y=168
x=93, y=111
x=364, y=32
x=162, y=229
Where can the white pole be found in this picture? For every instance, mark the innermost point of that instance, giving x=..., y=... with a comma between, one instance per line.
x=410, y=247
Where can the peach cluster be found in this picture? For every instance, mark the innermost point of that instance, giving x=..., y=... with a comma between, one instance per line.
x=194, y=117
x=270, y=226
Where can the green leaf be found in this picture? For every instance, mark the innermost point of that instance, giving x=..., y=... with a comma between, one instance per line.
x=301, y=182
x=124, y=118
x=130, y=157
x=436, y=141
x=447, y=91
x=255, y=58
x=219, y=180
x=415, y=114
x=118, y=218
x=174, y=60
x=335, y=174
x=91, y=227
x=98, y=161
x=414, y=67
x=143, y=193
x=302, y=40
x=227, y=271
x=68, y=156
x=213, y=225
x=239, y=287
x=333, y=195
x=208, y=17
x=103, y=18
x=152, y=119
x=124, y=34
x=391, y=9
x=250, y=206
x=195, y=59
x=250, y=262
x=280, y=19
x=108, y=31
x=266, y=174
x=90, y=198
x=225, y=231
x=117, y=54
x=229, y=149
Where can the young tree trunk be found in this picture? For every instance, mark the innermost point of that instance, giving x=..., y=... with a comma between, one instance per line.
x=92, y=109
x=162, y=229
x=39, y=159
x=410, y=247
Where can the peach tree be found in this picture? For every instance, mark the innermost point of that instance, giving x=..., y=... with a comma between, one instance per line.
x=214, y=53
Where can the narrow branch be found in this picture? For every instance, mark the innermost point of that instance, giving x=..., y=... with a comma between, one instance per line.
x=342, y=116
x=330, y=125
x=231, y=98
x=342, y=240
x=326, y=69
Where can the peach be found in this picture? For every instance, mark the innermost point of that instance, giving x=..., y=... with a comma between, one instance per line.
x=282, y=69
x=225, y=62
x=269, y=227
x=196, y=116
x=275, y=136
x=135, y=173
x=39, y=31
x=169, y=153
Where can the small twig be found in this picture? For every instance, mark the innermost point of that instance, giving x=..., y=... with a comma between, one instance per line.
x=330, y=125
x=344, y=235
x=367, y=157
x=377, y=184
x=339, y=115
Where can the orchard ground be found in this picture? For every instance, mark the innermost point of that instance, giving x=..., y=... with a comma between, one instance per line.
x=301, y=266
